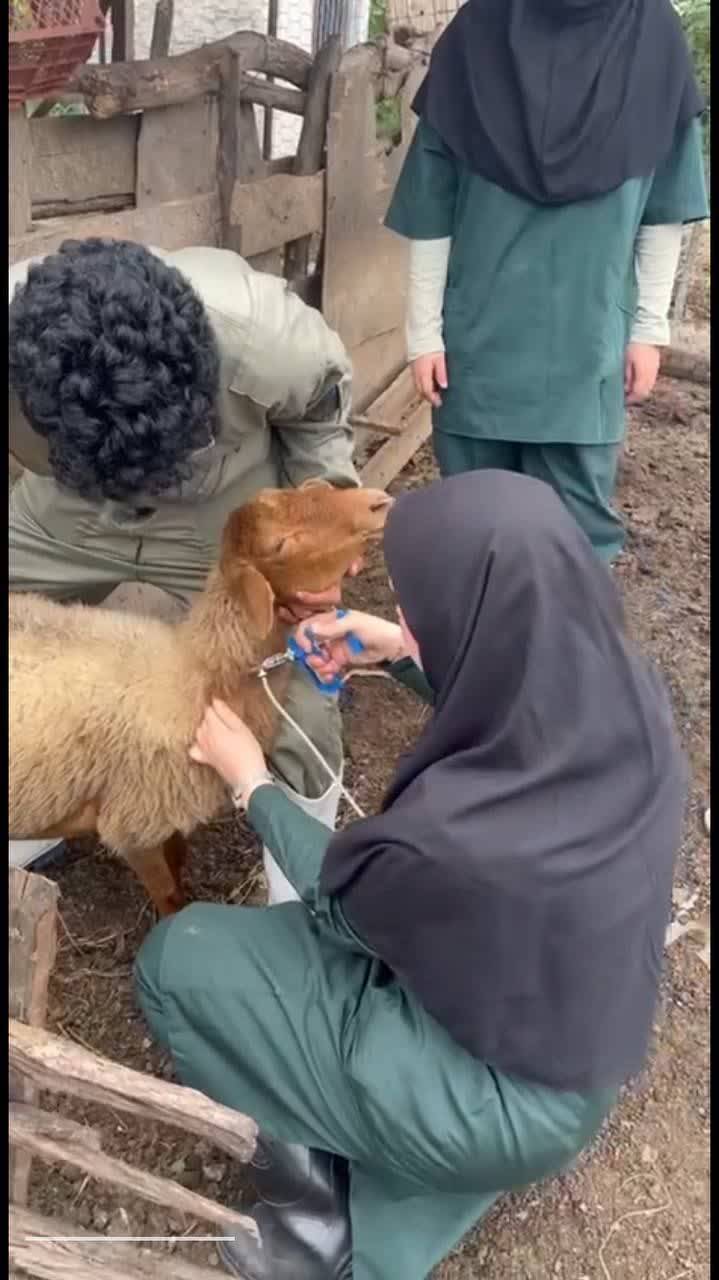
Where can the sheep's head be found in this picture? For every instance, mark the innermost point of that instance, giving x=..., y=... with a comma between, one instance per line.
x=290, y=540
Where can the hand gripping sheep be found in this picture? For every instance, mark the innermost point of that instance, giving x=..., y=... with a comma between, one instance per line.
x=104, y=706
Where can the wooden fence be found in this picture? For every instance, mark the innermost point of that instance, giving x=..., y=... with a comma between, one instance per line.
x=41, y=1061
x=170, y=155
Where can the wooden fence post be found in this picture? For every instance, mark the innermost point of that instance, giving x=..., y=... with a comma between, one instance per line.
x=162, y=29
x=228, y=145
x=32, y=942
x=311, y=147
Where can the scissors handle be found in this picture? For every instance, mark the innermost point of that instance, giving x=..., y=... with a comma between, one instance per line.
x=299, y=655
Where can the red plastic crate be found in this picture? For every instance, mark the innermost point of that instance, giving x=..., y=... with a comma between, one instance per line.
x=48, y=45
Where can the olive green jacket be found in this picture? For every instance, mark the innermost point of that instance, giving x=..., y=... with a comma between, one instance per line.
x=283, y=399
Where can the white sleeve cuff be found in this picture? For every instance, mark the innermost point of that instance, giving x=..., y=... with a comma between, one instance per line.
x=428, y=263
x=656, y=258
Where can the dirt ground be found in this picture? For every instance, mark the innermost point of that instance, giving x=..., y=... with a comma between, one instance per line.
x=636, y=1207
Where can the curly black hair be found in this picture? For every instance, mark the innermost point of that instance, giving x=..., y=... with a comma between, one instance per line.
x=114, y=361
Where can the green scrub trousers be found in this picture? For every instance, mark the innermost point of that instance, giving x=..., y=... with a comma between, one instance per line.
x=284, y=1014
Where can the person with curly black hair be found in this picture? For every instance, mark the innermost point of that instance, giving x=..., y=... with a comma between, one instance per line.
x=150, y=393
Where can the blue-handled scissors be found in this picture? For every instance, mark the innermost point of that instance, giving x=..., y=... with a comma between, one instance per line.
x=294, y=653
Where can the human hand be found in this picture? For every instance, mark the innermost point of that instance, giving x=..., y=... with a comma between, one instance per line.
x=307, y=604
x=430, y=372
x=381, y=642
x=641, y=366
x=224, y=742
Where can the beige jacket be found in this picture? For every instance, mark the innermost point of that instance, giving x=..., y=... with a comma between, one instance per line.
x=283, y=401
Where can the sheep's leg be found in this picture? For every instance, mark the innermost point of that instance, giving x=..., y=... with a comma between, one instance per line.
x=175, y=850
x=159, y=875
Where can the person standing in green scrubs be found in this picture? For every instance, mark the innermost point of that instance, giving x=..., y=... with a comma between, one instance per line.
x=556, y=157
x=471, y=974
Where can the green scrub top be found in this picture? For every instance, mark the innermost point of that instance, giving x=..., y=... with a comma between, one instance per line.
x=539, y=300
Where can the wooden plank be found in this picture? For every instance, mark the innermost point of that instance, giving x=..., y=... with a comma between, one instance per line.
x=51, y=1062
x=163, y=82
x=162, y=29
x=389, y=460
x=32, y=918
x=176, y=151
x=269, y=213
x=20, y=164
x=365, y=265
x=76, y=158
x=394, y=403
x=27, y=1135
x=195, y=220
x=83, y=1258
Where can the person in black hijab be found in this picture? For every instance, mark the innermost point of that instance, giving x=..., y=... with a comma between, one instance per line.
x=470, y=975
x=557, y=156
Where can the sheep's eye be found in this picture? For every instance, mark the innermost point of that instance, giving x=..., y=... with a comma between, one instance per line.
x=280, y=544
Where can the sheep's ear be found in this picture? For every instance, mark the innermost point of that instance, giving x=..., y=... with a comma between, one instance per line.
x=254, y=595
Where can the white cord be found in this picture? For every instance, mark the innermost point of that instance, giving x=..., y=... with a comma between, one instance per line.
x=308, y=741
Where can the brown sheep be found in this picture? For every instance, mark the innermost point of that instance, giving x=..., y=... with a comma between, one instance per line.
x=104, y=706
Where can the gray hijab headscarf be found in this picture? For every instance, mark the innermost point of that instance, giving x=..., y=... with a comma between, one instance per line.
x=518, y=879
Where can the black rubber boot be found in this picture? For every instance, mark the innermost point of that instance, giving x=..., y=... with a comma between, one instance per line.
x=302, y=1215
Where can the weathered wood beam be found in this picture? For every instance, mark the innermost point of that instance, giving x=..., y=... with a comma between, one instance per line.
x=32, y=911
x=311, y=146
x=30, y=1134
x=20, y=162
x=54, y=1063
x=34, y=1253
x=122, y=13
x=391, y=457
x=164, y=82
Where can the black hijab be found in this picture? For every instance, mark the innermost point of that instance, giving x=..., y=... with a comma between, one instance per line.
x=518, y=879
x=560, y=100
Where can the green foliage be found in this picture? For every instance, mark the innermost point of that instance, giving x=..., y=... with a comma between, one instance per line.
x=696, y=20
x=695, y=16
x=377, y=18
x=20, y=15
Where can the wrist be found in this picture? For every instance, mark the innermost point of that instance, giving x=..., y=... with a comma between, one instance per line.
x=242, y=791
